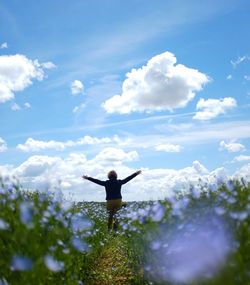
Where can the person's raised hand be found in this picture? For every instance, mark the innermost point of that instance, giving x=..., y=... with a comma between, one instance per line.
x=138, y=172
x=85, y=176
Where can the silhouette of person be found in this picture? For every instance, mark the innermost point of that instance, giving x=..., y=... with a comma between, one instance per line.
x=113, y=194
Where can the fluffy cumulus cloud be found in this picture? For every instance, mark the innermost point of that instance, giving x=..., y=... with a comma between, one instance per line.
x=36, y=165
x=17, y=73
x=52, y=172
x=32, y=145
x=76, y=87
x=231, y=146
x=48, y=172
x=115, y=156
x=212, y=108
x=199, y=168
x=243, y=172
x=3, y=145
x=161, y=84
x=168, y=147
x=37, y=145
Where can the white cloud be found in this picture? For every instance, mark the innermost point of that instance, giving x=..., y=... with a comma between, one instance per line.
x=229, y=77
x=76, y=87
x=37, y=145
x=5, y=93
x=159, y=85
x=199, y=167
x=115, y=156
x=17, y=73
x=239, y=60
x=44, y=172
x=36, y=165
x=243, y=172
x=3, y=145
x=6, y=170
x=241, y=158
x=168, y=147
x=27, y=105
x=48, y=65
x=212, y=108
x=3, y=45
x=247, y=77
x=32, y=145
x=232, y=146
x=15, y=107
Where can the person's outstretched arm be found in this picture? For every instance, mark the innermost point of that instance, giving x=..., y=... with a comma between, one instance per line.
x=130, y=177
x=97, y=181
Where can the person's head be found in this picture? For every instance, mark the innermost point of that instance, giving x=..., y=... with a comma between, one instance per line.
x=112, y=175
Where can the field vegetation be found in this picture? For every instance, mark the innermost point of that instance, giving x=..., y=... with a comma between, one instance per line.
x=200, y=237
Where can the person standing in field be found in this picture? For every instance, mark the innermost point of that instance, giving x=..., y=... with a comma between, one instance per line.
x=113, y=194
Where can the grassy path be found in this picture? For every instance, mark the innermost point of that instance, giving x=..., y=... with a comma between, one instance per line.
x=113, y=265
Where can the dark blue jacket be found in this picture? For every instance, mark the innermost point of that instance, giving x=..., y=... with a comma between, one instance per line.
x=113, y=186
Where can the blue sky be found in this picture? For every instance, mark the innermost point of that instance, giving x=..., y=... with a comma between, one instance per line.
x=155, y=85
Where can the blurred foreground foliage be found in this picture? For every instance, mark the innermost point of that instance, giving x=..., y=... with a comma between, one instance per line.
x=46, y=240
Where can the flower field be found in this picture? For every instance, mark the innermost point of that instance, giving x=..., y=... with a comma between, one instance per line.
x=200, y=237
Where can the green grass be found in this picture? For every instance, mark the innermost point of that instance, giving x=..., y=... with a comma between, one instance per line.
x=44, y=241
